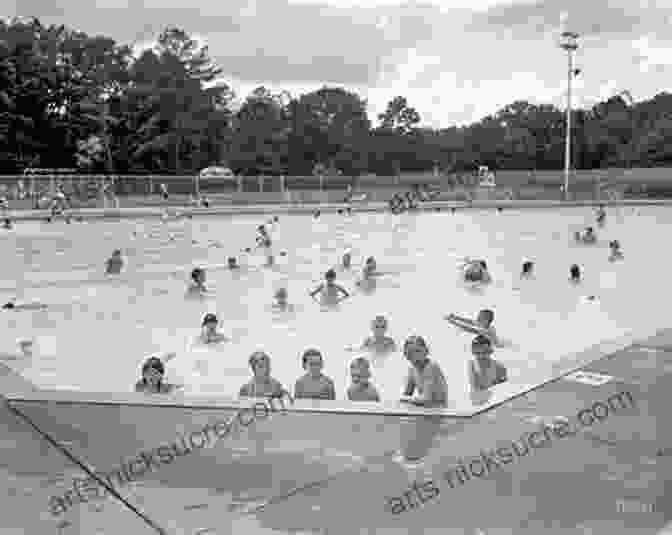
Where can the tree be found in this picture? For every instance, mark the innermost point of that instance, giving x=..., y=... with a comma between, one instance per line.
x=399, y=117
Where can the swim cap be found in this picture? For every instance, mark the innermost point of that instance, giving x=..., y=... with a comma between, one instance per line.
x=210, y=318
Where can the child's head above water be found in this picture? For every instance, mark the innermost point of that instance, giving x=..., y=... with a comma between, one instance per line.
x=260, y=363
x=312, y=361
x=281, y=294
x=153, y=370
x=415, y=349
x=232, y=262
x=360, y=371
x=379, y=324
x=485, y=317
x=527, y=267
x=481, y=346
x=210, y=320
x=198, y=275
x=330, y=275
x=575, y=272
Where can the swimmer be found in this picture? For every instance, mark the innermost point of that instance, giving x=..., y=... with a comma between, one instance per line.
x=476, y=271
x=314, y=384
x=316, y=214
x=601, y=216
x=425, y=377
x=360, y=388
x=205, y=202
x=369, y=269
x=209, y=333
x=528, y=267
x=115, y=263
x=261, y=384
x=232, y=263
x=265, y=243
x=164, y=191
x=616, y=253
x=482, y=325
x=280, y=302
x=13, y=305
x=575, y=274
x=484, y=371
x=378, y=342
x=197, y=282
x=330, y=292
x=346, y=260
x=153, y=372
x=588, y=236
x=7, y=224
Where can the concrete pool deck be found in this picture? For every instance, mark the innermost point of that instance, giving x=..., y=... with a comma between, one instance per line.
x=251, y=209
x=339, y=471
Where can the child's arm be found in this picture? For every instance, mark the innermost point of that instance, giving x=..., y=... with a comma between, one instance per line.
x=316, y=290
x=409, y=388
x=473, y=381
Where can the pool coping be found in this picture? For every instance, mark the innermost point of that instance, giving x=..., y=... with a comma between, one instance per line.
x=284, y=208
x=500, y=394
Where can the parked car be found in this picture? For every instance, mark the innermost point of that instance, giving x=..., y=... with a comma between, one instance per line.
x=212, y=172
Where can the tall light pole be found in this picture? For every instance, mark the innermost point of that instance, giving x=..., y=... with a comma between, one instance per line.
x=570, y=45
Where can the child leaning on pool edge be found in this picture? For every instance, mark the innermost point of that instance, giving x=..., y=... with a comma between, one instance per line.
x=484, y=371
x=153, y=372
x=314, y=384
x=261, y=384
x=424, y=376
x=360, y=388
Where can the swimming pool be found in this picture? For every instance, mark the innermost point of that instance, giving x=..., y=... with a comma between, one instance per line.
x=97, y=331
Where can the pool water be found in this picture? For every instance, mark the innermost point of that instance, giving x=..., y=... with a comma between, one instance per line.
x=98, y=329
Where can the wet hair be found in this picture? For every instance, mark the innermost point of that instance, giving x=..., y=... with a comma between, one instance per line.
x=487, y=314
x=483, y=264
x=312, y=352
x=575, y=271
x=330, y=274
x=153, y=363
x=415, y=340
x=256, y=357
x=379, y=319
x=196, y=273
x=231, y=260
x=209, y=318
x=527, y=266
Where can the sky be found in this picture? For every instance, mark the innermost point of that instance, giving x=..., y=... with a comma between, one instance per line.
x=455, y=61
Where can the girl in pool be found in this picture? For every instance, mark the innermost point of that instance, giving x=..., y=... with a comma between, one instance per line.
x=115, y=263
x=330, y=293
x=153, y=372
x=424, y=376
x=360, y=388
x=484, y=371
x=197, y=283
x=209, y=333
x=261, y=384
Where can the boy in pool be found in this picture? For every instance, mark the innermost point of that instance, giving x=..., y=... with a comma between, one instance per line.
x=424, y=376
x=482, y=325
x=616, y=253
x=209, y=333
x=575, y=274
x=484, y=371
x=153, y=372
x=477, y=271
x=330, y=292
x=526, y=273
x=314, y=384
x=360, y=388
x=261, y=384
x=115, y=263
x=197, y=283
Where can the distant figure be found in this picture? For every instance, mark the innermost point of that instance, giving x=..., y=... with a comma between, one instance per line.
x=281, y=304
x=346, y=260
x=601, y=216
x=209, y=332
x=379, y=342
x=360, y=388
x=528, y=267
x=484, y=371
x=197, y=283
x=7, y=224
x=232, y=263
x=425, y=377
x=314, y=384
x=616, y=253
x=575, y=274
x=588, y=237
x=164, y=191
x=261, y=384
x=115, y=263
x=483, y=325
x=477, y=271
x=330, y=293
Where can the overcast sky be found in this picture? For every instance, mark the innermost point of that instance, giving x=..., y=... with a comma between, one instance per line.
x=455, y=60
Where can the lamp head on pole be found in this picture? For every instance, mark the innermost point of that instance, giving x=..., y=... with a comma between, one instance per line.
x=569, y=41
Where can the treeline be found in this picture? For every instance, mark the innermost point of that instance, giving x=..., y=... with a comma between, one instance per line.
x=68, y=99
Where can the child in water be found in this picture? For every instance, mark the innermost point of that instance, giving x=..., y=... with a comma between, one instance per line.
x=477, y=271
x=115, y=263
x=264, y=242
x=424, y=376
x=281, y=303
x=330, y=292
x=360, y=388
x=197, y=283
x=314, y=384
x=616, y=253
x=209, y=333
x=481, y=326
x=232, y=263
x=261, y=384
x=379, y=342
x=484, y=371
x=7, y=225
x=526, y=273
x=601, y=216
x=153, y=372
x=575, y=274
